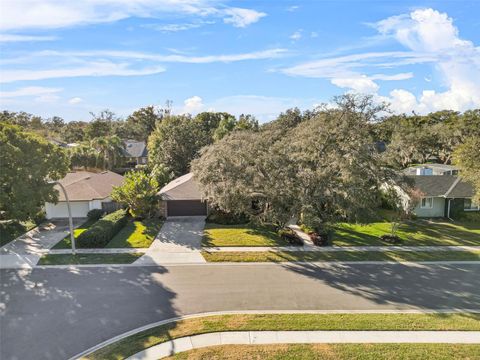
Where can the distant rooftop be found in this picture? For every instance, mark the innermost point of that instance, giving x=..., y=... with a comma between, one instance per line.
x=135, y=149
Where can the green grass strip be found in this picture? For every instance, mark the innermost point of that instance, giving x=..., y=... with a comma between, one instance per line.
x=334, y=352
x=274, y=322
x=312, y=256
x=82, y=259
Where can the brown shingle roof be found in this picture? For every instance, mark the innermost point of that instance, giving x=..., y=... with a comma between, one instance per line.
x=182, y=188
x=86, y=185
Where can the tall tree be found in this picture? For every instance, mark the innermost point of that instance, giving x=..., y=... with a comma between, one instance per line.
x=139, y=193
x=467, y=158
x=175, y=142
x=324, y=168
x=28, y=162
x=143, y=121
x=101, y=125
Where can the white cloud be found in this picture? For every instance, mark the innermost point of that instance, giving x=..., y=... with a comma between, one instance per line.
x=293, y=8
x=430, y=37
x=94, y=68
x=313, y=34
x=49, y=14
x=25, y=38
x=458, y=60
x=193, y=105
x=297, y=35
x=38, y=94
x=75, y=100
x=239, y=17
x=361, y=84
x=166, y=28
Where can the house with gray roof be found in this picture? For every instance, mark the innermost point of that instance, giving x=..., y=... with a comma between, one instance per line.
x=86, y=191
x=443, y=196
x=182, y=197
x=431, y=169
x=135, y=152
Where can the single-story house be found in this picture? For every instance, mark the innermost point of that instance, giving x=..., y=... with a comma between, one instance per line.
x=86, y=191
x=135, y=152
x=443, y=196
x=182, y=197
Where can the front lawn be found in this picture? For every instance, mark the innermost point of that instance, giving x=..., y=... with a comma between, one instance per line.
x=79, y=259
x=135, y=234
x=314, y=256
x=418, y=232
x=12, y=230
x=333, y=352
x=240, y=235
x=274, y=322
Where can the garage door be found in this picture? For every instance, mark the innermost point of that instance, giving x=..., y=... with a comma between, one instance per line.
x=79, y=209
x=186, y=208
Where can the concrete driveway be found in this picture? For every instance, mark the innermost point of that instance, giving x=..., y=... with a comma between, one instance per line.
x=178, y=242
x=26, y=250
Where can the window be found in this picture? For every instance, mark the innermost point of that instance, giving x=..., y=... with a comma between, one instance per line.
x=427, y=203
x=469, y=205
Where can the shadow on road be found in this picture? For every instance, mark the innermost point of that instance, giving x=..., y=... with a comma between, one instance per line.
x=42, y=305
x=420, y=286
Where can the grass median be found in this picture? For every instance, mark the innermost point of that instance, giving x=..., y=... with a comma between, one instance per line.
x=320, y=256
x=333, y=352
x=85, y=259
x=293, y=322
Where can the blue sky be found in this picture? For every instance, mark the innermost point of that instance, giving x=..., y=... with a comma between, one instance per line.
x=70, y=58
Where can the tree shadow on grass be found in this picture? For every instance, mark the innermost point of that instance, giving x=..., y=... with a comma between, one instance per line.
x=62, y=313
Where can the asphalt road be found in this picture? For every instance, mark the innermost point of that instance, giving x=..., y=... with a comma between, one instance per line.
x=57, y=313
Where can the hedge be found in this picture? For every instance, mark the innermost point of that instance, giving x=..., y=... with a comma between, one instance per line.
x=100, y=233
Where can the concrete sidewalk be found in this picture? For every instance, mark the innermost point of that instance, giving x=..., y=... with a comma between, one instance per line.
x=340, y=248
x=26, y=250
x=172, y=347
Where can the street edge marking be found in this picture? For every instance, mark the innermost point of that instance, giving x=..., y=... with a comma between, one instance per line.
x=318, y=264
x=257, y=312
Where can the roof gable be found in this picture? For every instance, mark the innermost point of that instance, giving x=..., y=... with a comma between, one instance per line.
x=183, y=188
x=442, y=186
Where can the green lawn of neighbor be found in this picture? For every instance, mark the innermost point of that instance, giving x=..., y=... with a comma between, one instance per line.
x=12, y=230
x=418, y=232
x=313, y=256
x=135, y=234
x=240, y=235
x=274, y=322
x=79, y=259
x=333, y=352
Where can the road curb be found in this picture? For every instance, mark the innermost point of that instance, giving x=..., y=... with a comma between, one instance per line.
x=200, y=341
x=317, y=264
x=253, y=312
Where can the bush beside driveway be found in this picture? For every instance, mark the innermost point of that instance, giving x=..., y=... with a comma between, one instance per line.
x=135, y=234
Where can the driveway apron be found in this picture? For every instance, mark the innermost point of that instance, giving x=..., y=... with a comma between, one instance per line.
x=178, y=242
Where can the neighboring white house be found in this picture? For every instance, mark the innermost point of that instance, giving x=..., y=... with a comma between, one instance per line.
x=443, y=193
x=86, y=191
x=431, y=169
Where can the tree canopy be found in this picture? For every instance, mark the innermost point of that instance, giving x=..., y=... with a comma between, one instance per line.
x=323, y=166
x=28, y=162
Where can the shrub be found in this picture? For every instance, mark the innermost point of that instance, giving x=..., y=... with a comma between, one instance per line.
x=322, y=238
x=224, y=218
x=100, y=233
x=95, y=214
x=290, y=236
